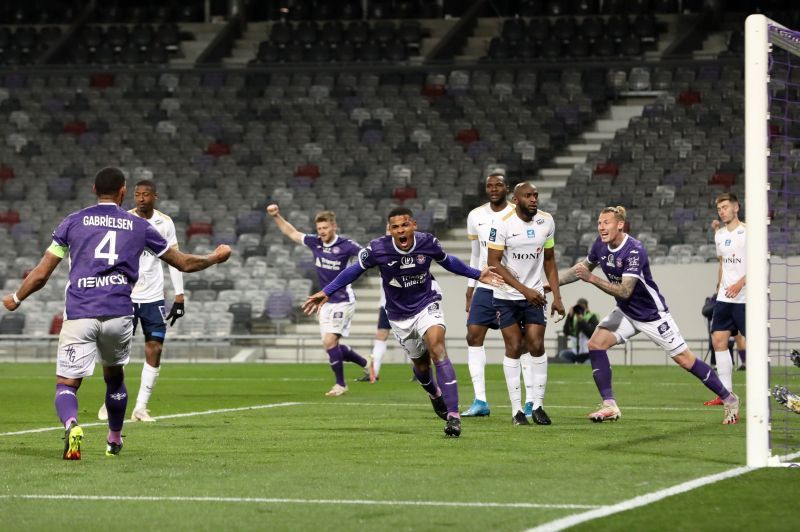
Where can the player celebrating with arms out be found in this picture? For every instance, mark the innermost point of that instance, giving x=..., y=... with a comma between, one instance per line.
x=521, y=246
x=404, y=258
x=332, y=253
x=104, y=243
x=640, y=308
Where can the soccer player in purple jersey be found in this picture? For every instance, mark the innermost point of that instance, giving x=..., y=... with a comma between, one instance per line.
x=404, y=258
x=332, y=254
x=104, y=243
x=640, y=308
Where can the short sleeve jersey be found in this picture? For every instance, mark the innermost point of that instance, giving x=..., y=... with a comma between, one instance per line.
x=479, y=223
x=731, y=248
x=630, y=260
x=150, y=286
x=104, y=244
x=523, y=244
x=330, y=259
x=407, y=280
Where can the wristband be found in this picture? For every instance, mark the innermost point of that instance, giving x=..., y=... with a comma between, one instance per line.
x=16, y=299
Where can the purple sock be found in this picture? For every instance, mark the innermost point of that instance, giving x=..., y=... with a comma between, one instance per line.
x=425, y=379
x=601, y=371
x=116, y=401
x=352, y=356
x=446, y=379
x=337, y=364
x=66, y=403
x=743, y=357
x=703, y=371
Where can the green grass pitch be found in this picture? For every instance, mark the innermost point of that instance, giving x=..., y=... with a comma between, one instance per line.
x=380, y=452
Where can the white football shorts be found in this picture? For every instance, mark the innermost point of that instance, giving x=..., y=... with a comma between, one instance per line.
x=335, y=318
x=410, y=332
x=83, y=340
x=663, y=331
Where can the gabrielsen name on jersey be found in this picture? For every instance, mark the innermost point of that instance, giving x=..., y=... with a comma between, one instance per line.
x=406, y=277
x=630, y=260
x=104, y=243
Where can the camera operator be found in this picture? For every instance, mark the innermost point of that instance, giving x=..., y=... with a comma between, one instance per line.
x=578, y=328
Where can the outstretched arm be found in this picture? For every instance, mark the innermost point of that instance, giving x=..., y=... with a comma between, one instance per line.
x=194, y=263
x=621, y=290
x=345, y=277
x=285, y=227
x=455, y=265
x=35, y=280
x=570, y=276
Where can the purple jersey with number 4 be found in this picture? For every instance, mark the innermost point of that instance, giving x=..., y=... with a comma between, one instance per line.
x=104, y=244
x=630, y=260
x=330, y=260
x=405, y=274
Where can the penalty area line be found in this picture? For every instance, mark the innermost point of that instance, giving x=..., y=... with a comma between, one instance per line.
x=282, y=500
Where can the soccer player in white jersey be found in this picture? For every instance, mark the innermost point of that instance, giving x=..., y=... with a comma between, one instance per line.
x=729, y=310
x=149, y=307
x=520, y=248
x=481, y=314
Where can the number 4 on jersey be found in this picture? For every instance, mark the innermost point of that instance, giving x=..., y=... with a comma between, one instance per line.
x=111, y=240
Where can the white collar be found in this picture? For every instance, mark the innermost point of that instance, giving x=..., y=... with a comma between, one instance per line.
x=414, y=245
x=614, y=250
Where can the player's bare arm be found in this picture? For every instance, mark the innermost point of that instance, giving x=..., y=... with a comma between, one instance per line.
x=531, y=295
x=551, y=272
x=34, y=281
x=314, y=303
x=621, y=290
x=285, y=227
x=570, y=276
x=187, y=263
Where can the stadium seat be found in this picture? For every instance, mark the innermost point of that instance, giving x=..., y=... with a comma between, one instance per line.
x=12, y=323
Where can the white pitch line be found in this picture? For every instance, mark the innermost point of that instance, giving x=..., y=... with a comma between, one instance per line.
x=644, y=500
x=336, y=403
x=274, y=500
x=169, y=416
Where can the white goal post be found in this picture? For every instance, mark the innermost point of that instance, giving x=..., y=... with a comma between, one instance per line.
x=760, y=34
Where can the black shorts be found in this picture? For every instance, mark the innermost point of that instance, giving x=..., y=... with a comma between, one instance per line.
x=152, y=316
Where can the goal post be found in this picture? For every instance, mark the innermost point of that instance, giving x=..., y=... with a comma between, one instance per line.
x=772, y=188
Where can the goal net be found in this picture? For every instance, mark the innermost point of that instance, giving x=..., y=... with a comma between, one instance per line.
x=772, y=198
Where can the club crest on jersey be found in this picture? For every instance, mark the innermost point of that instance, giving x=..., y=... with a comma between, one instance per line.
x=727, y=242
x=338, y=315
x=493, y=234
x=406, y=262
x=663, y=328
x=531, y=233
x=420, y=259
x=336, y=249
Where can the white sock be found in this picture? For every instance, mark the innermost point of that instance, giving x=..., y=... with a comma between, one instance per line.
x=149, y=378
x=526, y=360
x=476, y=360
x=725, y=368
x=539, y=374
x=378, y=350
x=511, y=370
